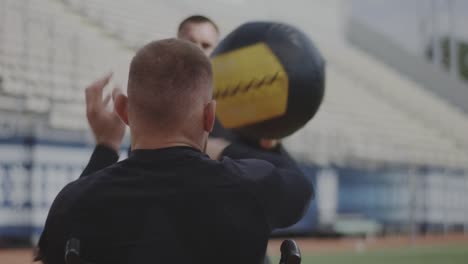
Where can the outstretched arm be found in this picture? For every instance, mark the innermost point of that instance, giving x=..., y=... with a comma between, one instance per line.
x=276, y=180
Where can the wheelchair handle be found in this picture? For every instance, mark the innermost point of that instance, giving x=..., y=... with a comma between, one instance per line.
x=290, y=253
x=72, y=251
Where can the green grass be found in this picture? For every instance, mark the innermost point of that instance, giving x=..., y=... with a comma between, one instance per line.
x=451, y=254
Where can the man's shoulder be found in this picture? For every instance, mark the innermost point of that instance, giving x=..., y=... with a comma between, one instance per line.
x=73, y=191
x=250, y=170
x=100, y=174
x=65, y=199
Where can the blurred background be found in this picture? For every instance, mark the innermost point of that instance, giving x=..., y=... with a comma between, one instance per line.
x=387, y=152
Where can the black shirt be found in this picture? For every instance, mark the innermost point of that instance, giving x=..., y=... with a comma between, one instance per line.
x=176, y=205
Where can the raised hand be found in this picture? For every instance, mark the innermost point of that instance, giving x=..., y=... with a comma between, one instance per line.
x=107, y=127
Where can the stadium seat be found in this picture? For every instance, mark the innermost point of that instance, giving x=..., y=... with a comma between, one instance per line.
x=50, y=50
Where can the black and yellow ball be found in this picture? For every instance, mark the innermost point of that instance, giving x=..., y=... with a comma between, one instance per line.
x=269, y=80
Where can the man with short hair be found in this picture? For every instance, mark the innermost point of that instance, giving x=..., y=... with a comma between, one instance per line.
x=109, y=130
x=201, y=31
x=169, y=202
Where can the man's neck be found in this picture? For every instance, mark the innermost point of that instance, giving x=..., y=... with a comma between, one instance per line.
x=157, y=142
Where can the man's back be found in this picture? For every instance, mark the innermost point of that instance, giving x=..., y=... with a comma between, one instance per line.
x=171, y=205
x=167, y=203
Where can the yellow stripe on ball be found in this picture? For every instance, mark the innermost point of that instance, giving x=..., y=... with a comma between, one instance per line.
x=250, y=85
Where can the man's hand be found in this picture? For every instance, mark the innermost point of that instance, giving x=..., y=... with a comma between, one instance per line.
x=215, y=147
x=107, y=127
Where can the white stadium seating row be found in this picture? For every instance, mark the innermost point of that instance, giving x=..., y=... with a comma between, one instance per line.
x=50, y=50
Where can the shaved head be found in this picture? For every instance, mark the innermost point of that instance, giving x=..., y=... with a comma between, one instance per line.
x=169, y=83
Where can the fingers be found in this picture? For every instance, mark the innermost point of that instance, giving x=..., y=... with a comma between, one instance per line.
x=106, y=100
x=115, y=93
x=94, y=91
x=93, y=95
x=117, y=90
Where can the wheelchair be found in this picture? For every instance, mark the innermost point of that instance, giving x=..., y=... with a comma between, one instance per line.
x=290, y=253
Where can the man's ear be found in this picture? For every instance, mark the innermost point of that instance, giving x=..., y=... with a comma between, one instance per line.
x=209, y=116
x=121, y=105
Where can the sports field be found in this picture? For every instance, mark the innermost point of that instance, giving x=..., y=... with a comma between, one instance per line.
x=447, y=254
x=448, y=249
x=451, y=249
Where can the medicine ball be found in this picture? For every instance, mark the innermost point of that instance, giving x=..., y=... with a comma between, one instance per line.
x=269, y=80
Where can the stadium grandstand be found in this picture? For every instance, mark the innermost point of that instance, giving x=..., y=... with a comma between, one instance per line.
x=384, y=152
